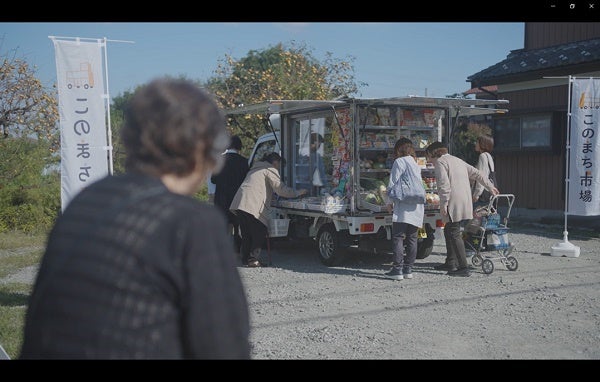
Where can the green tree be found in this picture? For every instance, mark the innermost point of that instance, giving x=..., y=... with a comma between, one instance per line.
x=29, y=143
x=464, y=137
x=27, y=108
x=117, y=117
x=278, y=72
x=29, y=187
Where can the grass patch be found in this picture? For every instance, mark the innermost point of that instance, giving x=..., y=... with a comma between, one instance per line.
x=12, y=262
x=13, y=305
x=17, y=239
x=18, y=250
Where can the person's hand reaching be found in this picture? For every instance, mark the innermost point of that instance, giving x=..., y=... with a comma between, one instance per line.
x=302, y=191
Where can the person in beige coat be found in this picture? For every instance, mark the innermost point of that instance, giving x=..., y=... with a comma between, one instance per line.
x=252, y=203
x=453, y=177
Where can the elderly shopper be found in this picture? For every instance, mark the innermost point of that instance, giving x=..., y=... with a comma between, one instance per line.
x=252, y=204
x=454, y=189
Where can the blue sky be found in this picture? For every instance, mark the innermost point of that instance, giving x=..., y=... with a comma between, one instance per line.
x=394, y=59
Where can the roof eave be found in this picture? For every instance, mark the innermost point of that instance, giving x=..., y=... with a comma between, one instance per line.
x=535, y=74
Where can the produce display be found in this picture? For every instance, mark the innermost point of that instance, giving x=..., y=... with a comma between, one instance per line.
x=374, y=191
x=381, y=127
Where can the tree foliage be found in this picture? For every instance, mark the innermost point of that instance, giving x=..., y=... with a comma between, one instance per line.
x=29, y=188
x=27, y=108
x=278, y=72
x=464, y=137
x=117, y=117
x=29, y=142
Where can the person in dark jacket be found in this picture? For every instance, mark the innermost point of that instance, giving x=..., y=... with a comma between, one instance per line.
x=136, y=267
x=227, y=182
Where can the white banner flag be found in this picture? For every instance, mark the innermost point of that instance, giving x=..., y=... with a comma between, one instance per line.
x=81, y=106
x=584, y=163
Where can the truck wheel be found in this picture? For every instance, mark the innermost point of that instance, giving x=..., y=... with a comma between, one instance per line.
x=424, y=247
x=328, y=242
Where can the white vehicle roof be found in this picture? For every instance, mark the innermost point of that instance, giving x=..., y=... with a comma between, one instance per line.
x=462, y=106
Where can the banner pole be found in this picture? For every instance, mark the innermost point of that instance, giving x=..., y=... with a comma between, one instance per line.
x=568, y=157
x=107, y=100
x=565, y=248
x=84, y=108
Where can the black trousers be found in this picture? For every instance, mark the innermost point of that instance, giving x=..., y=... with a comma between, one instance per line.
x=455, y=246
x=404, y=233
x=235, y=224
x=254, y=235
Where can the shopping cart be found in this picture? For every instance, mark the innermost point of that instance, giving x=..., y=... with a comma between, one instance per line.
x=487, y=235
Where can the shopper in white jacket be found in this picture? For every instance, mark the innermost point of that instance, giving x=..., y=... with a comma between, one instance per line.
x=407, y=217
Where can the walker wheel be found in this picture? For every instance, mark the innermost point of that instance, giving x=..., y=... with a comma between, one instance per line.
x=477, y=260
x=511, y=263
x=487, y=266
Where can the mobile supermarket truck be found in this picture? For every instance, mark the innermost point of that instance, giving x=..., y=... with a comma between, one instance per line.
x=342, y=152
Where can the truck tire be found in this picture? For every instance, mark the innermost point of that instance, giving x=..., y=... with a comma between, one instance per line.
x=328, y=245
x=424, y=247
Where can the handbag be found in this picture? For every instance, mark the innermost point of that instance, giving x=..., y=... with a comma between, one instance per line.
x=486, y=195
x=408, y=188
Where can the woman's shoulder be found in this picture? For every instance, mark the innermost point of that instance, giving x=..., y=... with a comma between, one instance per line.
x=486, y=158
x=271, y=172
x=405, y=160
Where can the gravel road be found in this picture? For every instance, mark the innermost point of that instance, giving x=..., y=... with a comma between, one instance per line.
x=549, y=308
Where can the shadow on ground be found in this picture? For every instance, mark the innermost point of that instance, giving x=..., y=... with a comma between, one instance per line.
x=13, y=298
x=302, y=256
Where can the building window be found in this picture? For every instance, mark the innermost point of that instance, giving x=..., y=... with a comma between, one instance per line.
x=524, y=132
x=536, y=131
x=507, y=134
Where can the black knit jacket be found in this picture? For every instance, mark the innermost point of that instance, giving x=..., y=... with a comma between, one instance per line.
x=133, y=271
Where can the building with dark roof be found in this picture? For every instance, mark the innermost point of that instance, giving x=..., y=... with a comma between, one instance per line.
x=530, y=139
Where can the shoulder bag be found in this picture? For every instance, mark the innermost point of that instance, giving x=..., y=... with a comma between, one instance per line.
x=408, y=188
x=485, y=195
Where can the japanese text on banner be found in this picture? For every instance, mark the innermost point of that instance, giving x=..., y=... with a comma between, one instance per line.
x=81, y=106
x=584, y=163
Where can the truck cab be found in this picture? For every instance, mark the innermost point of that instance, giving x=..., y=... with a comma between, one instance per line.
x=265, y=144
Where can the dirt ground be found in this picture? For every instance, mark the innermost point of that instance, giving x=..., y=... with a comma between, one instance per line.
x=549, y=308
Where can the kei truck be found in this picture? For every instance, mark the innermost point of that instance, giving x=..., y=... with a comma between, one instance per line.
x=341, y=151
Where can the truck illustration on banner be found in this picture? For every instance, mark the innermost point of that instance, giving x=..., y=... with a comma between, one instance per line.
x=84, y=77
